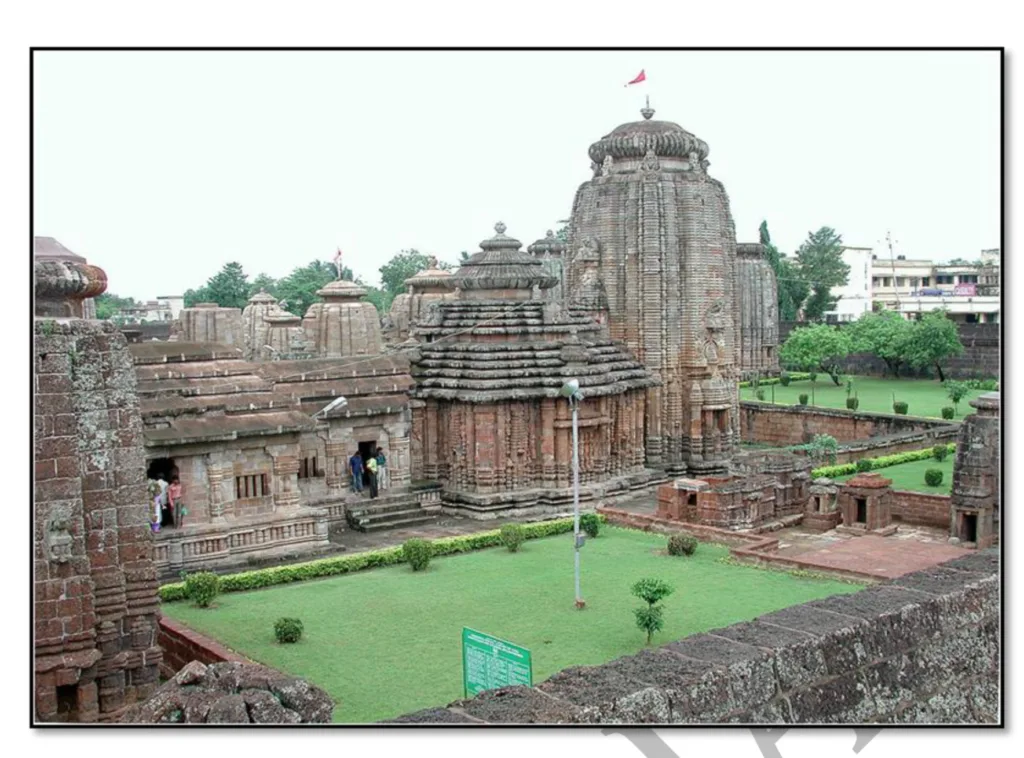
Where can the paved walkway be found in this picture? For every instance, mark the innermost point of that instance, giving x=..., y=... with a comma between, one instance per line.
x=445, y=526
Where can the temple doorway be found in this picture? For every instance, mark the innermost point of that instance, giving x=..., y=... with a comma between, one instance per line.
x=862, y=510
x=367, y=450
x=969, y=527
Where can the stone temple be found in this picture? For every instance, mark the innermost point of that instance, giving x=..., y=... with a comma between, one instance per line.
x=652, y=242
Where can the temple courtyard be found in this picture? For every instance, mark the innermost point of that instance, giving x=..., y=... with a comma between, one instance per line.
x=387, y=641
x=924, y=397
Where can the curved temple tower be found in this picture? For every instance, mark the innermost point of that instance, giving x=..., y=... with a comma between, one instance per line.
x=653, y=236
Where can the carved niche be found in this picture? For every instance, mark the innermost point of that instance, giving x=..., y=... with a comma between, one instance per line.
x=650, y=165
x=58, y=540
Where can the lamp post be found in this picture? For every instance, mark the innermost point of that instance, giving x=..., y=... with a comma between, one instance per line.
x=571, y=391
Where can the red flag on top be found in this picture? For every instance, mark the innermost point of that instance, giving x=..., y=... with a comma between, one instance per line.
x=641, y=77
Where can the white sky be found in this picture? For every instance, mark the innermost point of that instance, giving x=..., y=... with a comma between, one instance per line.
x=161, y=167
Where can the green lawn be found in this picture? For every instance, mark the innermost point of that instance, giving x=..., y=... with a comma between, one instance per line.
x=388, y=641
x=925, y=397
x=910, y=476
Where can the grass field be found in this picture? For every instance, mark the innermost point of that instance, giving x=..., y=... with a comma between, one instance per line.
x=388, y=641
x=925, y=397
x=910, y=476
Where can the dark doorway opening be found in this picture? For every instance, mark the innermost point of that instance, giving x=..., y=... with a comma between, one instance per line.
x=969, y=527
x=862, y=510
x=366, y=451
x=163, y=469
x=67, y=702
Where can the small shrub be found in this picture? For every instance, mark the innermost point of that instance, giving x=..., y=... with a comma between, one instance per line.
x=651, y=591
x=852, y=403
x=823, y=448
x=591, y=524
x=948, y=412
x=956, y=391
x=784, y=378
x=865, y=464
x=804, y=397
x=202, y=587
x=933, y=477
x=939, y=452
x=759, y=394
x=900, y=407
x=813, y=376
x=512, y=537
x=417, y=553
x=287, y=630
x=682, y=544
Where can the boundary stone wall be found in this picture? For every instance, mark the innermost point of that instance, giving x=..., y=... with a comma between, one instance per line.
x=923, y=648
x=920, y=508
x=182, y=645
x=795, y=425
x=980, y=357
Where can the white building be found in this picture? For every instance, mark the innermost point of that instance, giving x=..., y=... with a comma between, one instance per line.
x=970, y=292
x=855, y=295
x=164, y=308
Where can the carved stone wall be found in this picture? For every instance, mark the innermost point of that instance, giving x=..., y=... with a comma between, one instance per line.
x=343, y=324
x=95, y=582
x=758, y=312
x=208, y=322
x=975, y=499
x=653, y=234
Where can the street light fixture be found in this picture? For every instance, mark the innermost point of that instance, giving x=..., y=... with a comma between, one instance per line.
x=338, y=402
x=571, y=392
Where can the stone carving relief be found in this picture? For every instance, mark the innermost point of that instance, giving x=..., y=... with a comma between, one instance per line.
x=595, y=167
x=432, y=315
x=650, y=164
x=716, y=317
x=58, y=536
x=606, y=166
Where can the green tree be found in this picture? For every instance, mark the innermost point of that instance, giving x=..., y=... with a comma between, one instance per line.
x=228, y=288
x=299, y=288
x=816, y=347
x=933, y=339
x=820, y=261
x=380, y=298
x=402, y=266
x=956, y=391
x=562, y=235
x=109, y=305
x=792, y=289
x=885, y=334
x=651, y=618
x=263, y=282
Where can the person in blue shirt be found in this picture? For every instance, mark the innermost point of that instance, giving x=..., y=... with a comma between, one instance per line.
x=355, y=465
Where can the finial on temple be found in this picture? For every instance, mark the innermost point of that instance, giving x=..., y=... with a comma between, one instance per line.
x=647, y=111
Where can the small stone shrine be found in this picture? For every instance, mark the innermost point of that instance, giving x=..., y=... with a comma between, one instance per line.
x=428, y=286
x=866, y=504
x=974, y=504
x=759, y=312
x=343, y=324
x=822, y=512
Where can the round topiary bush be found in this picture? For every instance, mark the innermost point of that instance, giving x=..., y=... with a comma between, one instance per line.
x=512, y=536
x=591, y=524
x=417, y=553
x=287, y=630
x=202, y=587
x=864, y=464
x=852, y=403
x=948, y=412
x=933, y=477
x=784, y=378
x=682, y=544
x=804, y=397
x=940, y=452
x=900, y=407
x=759, y=394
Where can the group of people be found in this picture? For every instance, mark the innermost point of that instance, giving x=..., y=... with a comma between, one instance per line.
x=375, y=467
x=168, y=507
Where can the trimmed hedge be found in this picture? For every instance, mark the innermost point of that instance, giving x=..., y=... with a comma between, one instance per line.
x=895, y=459
x=346, y=564
x=793, y=377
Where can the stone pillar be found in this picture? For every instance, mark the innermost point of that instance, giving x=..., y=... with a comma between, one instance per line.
x=219, y=475
x=974, y=504
x=286, y=481
x=398, y=454
x=337, y=461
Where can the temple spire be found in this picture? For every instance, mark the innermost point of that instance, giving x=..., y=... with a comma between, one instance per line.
x=647, y=111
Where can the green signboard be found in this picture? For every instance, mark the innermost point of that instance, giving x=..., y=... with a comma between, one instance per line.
x=489, y=663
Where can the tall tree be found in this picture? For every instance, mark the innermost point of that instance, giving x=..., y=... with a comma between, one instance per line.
x=463, y=257
x=818, y=347
x=885, y=334
x=228, y=288
x=109, y=305
x=299, y=288
x=263, y=282
x=820, y=260
x=402, y=266
x=932, y=340
x=792, y=289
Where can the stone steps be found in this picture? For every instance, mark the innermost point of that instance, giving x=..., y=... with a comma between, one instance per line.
x=389, y=512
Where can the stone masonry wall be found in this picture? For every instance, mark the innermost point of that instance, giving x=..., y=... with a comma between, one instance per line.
x=920, y=509
x=921, y=649
x=95, y=584
x=980, y=357
x=795, y=425
x=182, y=645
